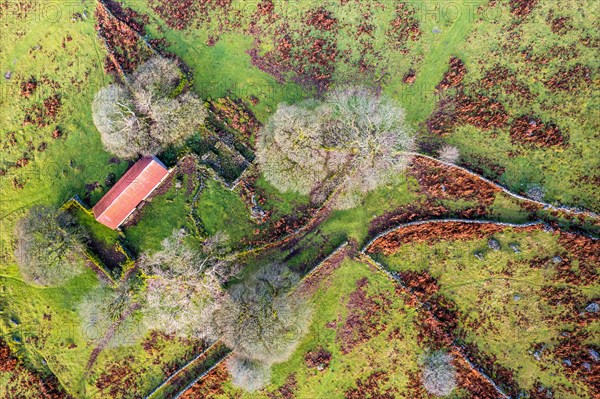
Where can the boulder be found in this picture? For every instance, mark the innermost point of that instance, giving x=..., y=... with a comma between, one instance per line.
x=494, y=244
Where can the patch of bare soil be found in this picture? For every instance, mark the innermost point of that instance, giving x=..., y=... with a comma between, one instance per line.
x=209, y=386
x=454, y=76
x=364, y=317
x=404, y=27
x=530, y=130
x=372, y=387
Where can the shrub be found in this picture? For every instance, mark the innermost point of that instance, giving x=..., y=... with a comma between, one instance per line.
x=439, y=375
x=49, y=246
x=144, y=116
x=449, y=154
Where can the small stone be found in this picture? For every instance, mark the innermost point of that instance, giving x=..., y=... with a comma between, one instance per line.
x=436, y=30
x=7, y=75
x=537, y=355
x=557, y=259
x=494, y=244
x=587, y=366
x=567, y=362
x=321, y=366
x=592, y=308
x=515, y=248
x=516, y=297
x=595, y=355
x=479, y=255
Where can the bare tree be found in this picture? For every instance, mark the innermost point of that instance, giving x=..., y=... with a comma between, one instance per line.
x=449, y=154
x=355, y=137
x=257, y=318
x=107, y=310
x=247, y=374
x=49, y=246
x=183, y=286
x=146, y=114
x=439, y=375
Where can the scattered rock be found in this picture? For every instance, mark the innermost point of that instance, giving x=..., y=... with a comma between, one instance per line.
x=479, y=255
x=515, y=248
x=494, y=244
x=436, y=30
x=7, y=75
x=537, y=355
x=516, y=297
x=587, y=366
x=567, y=362
x=592, y=307
x=557, y=259
x=595, y=355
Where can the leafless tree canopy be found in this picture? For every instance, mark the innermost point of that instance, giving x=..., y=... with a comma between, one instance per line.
x=106, y=309
x=142, y=117
x=439, y=375
x=247, y=374
x=354, y=136
x=49, y=246
x=183, y=286
x=259, y=321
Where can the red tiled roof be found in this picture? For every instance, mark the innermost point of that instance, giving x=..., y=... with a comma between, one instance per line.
x=135, y=185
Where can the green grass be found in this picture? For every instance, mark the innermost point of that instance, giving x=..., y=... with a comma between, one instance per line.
x=159, y=218
x=221, y=209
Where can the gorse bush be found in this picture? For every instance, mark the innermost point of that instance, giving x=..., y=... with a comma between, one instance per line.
x=354, y=140
x=49, y=247
x=143, y=116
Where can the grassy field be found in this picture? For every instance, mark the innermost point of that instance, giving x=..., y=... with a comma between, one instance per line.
x=505, y=301
x=51, y=151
